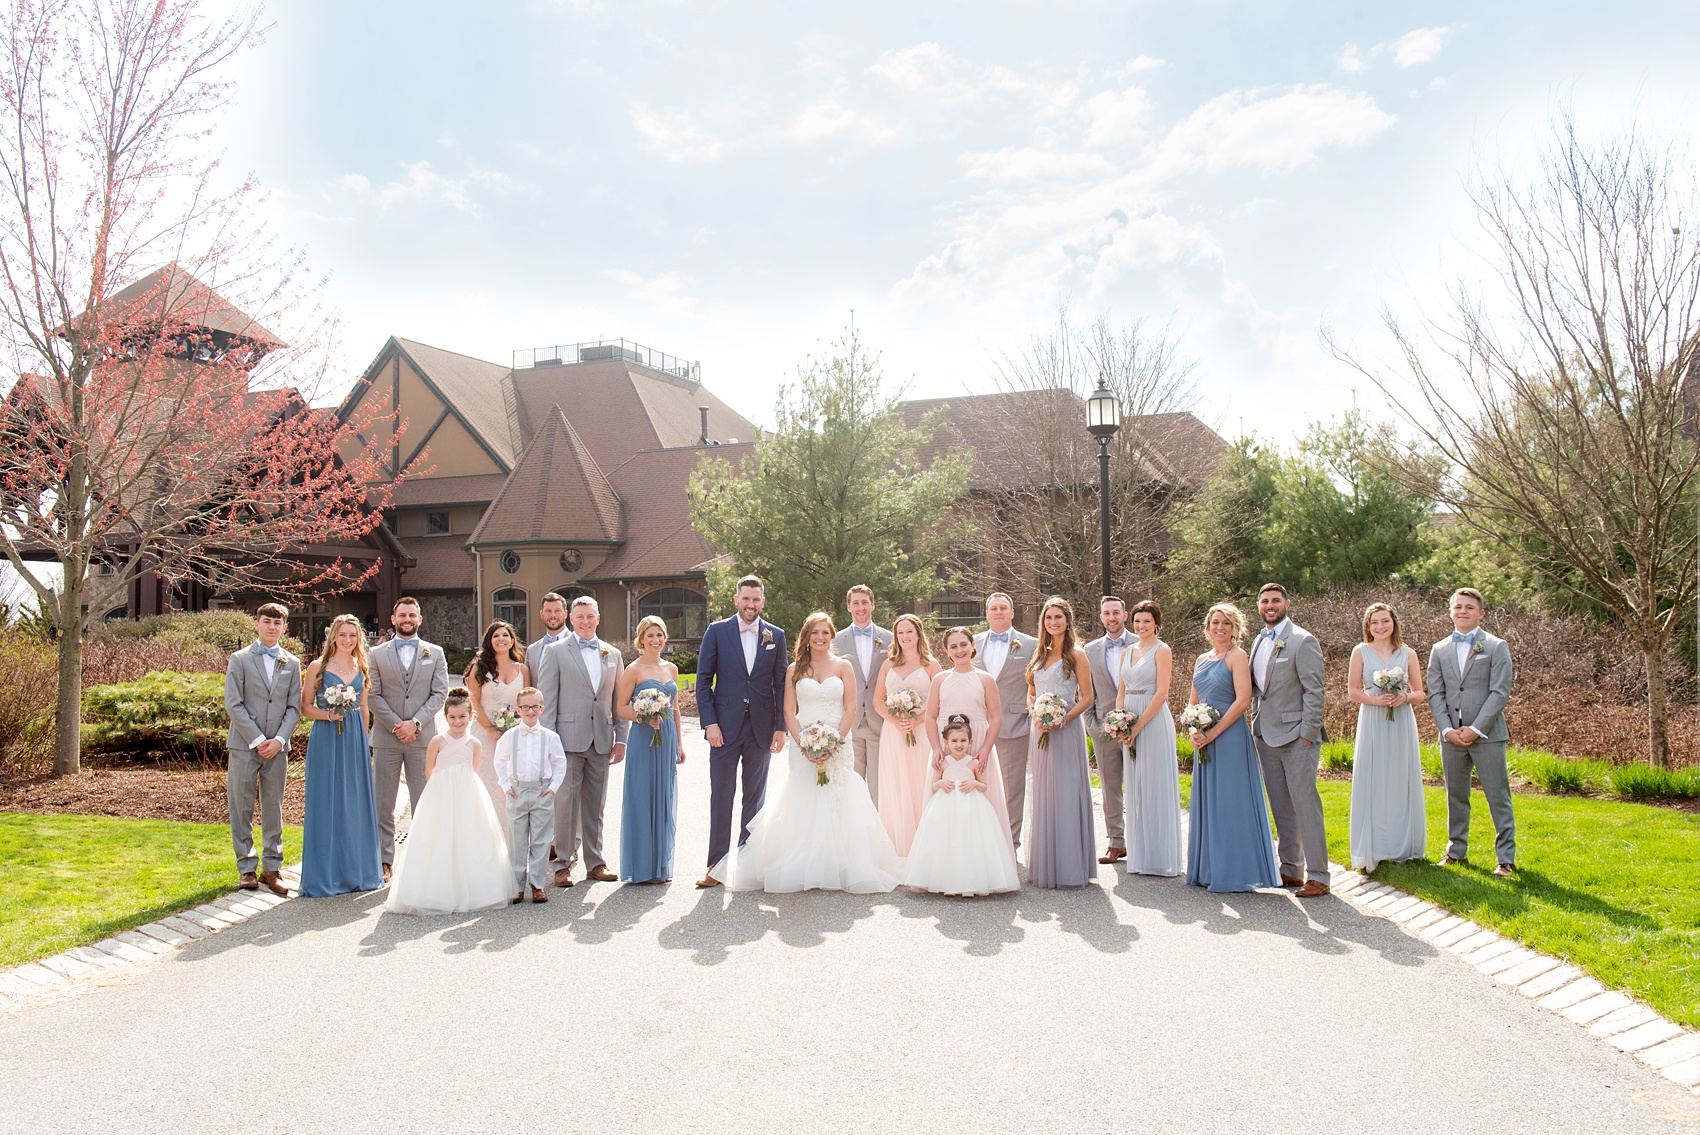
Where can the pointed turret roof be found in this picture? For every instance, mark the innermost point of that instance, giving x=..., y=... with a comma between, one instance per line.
x=171, y=291
x=556, y=488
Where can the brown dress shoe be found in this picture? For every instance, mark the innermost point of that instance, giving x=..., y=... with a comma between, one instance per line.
x=601, y=874
x=1112, y=854
x=706, y=882
x=539, y=895
x=1505, y=869
x=249, y=882
x=1314, y=889
x=1289, y=881
x=1449, y=861
x=564, y=877
x=519, y=898
x=273, y=883
x=386, y=872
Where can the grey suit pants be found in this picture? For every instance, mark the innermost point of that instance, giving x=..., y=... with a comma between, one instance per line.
x=248, y=777
x=578, y=809
x=531, y=825
x=1289, y=776
x=1488, y=759
x=387, y=766
x=1111, y=760
x=865, y=748
x=1012, y=763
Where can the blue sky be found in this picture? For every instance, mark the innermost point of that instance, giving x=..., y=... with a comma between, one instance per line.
x=726, y=182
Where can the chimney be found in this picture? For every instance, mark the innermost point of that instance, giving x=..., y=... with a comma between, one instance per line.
x=703, y=440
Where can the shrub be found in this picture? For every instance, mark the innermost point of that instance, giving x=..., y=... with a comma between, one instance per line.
x=224, y=629
x=28, y=696
x=1555, y=774
x=685, y=660
x=108, y=659
x=1433, y=768
x=1337, y=756
x=164, y=713
x=1643, y=782
x=1183, y=751
x=459, y=662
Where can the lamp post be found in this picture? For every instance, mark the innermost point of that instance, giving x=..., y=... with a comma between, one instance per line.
x=1103, y=419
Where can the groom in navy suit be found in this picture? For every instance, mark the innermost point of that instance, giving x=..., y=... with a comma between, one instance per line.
x=741, y=704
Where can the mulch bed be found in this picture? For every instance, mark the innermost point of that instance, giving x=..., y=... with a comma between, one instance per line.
x=193, y=793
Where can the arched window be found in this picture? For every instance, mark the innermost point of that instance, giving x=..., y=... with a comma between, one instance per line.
x=509, y=606
x=684, y=611
x=571, y=591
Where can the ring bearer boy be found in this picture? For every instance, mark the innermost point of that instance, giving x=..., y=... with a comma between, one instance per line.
x=530, y=765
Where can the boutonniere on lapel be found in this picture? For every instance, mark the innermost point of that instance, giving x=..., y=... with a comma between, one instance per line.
x=605, y=652
x=766, y=636
x=424, y=653
x=282, y=661
x=1478, y=647
x=1015, y=646
x=1280, y=645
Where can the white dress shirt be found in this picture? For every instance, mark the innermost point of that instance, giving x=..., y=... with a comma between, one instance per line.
x=749, y=637
x=1263, y=652
x=406, y=651
x=1463, y=649
x=270, y=670
x=527, y=753
x=1113, y=652
x=591, y=660
x=864, y=644
x=997, y=653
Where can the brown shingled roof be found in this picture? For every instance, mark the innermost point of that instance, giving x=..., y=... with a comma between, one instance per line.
x=448, y=490
x=473, y=388
x=171, y=290
x=557, y=492
x=661, y=542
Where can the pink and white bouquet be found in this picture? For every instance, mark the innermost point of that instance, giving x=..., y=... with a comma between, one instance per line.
x=819, y=743
x=1118, y=723
x=1198, y=718
x=905, y=704
x=652, y=707
x=1392, y=680
x=1048, y=712
x=339, y=699
x=505, y=718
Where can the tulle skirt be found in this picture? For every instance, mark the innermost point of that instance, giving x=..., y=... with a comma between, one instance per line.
x=960, y=848
x=455, y=857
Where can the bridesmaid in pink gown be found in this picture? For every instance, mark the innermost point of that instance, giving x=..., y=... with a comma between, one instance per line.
x=974, y=694
x=905, y=754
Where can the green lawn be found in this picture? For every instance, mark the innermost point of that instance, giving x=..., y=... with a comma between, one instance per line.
x=70, y=880
x=1611, y=887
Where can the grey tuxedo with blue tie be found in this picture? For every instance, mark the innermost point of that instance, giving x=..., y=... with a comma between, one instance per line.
x=1286, y=727
x=1474, y=696
x=400, y=690
x=262, y=697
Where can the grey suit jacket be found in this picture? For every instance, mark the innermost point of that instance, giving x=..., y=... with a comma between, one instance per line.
x=584, y=718
x=1011, y=680
x=257, y=708
x=1103, y=685
x=1475, y=698
x=534, y=655
x=395, y=695
x=1290, y=706
x=868, y=722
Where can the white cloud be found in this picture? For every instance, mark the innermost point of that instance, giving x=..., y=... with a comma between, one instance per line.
x=1350, y=61
x=675, y=135
x=1423, y=45
x=929, y=69
x=1116, y=116
x=422, y=184
x=1275, y=133
x=664, y=293
x=1015, y=164
x=1136, y=65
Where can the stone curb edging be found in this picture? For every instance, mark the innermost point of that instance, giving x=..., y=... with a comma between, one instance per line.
x=83, y=966
x=1619, y=1020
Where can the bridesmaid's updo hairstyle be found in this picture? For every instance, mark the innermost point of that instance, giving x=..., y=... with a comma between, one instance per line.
x=1398, y=639
x=460, y=696
x=923, y=651
x=803, y=654
x=486, y=666
x=329, y=652
x=958, y=723
x=1235, y=617
x=1149, y=607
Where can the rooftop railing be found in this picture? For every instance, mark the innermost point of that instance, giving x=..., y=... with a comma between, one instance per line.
x=604, y=350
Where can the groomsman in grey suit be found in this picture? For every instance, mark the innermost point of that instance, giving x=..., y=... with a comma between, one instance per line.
x=409, y=680
x=1469, y=682
x=1104, y=656
x=1003, y=652
x=577, y=676
x=552, y=612
x=262, y=696
x=1286, y=726
x=865, y=644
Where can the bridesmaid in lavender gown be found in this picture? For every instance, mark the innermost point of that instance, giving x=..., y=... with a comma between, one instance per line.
x=1061, y=848
x=1230, y=846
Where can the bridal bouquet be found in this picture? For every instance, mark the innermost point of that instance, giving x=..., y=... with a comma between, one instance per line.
x=1392, y=680
x=1198, y=718
x=905, y=705
x=1048, y=713
x=1118, y=723
x=652, y=707
x=819, y=742
x=505, y=718
x=340, y=699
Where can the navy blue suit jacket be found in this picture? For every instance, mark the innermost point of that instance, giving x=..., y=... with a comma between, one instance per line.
x=741, y=701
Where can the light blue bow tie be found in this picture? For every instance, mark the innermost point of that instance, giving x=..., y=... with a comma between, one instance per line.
x=1268, y=632
x=1458, y=636
x=865, y=632
x=551, y=639
x=999, y=636
x=586, y=643
x=1119, y=640
x=268, y=651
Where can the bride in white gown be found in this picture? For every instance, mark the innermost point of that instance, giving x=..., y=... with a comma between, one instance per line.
x=808, y=835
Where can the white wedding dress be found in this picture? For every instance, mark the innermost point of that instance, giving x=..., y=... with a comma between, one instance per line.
x=812, y=836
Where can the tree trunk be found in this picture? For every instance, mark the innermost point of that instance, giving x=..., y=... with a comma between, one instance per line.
x=68, y=717
x=1658, y=707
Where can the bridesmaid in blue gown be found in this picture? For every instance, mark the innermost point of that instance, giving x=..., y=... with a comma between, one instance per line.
x=1230, y=846
x=340, y=845
x=650, y=798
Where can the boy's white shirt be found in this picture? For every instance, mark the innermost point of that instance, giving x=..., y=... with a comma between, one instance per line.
x=554, y=753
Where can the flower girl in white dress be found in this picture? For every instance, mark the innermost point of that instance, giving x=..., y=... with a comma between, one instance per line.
x=455, y=857
x=960, y=847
